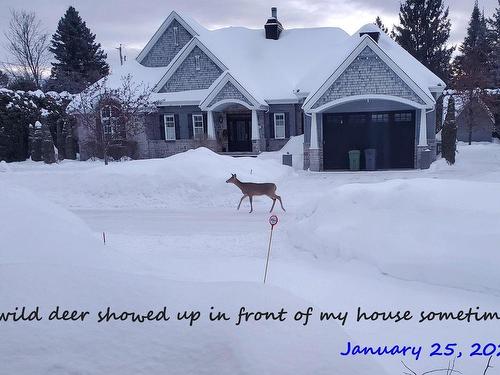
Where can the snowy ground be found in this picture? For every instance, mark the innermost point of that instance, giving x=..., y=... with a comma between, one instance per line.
x=394, y=240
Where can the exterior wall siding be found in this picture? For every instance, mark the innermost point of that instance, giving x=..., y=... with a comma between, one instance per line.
x=229, y=91
x=368, y=74
x=165, y=49
x=186, y=77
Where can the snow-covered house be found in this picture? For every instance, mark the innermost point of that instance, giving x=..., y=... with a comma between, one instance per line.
x=482, y=125
x=239, y=90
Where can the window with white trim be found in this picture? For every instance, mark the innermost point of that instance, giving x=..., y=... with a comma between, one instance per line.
x=198, y=131
x=279, y=125
x=109, y=119
x=176, y=35
x=169, y=122
x=197, y=63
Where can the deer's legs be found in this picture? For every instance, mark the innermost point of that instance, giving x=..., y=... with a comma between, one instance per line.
x=241, y=200
x=251, y=205
x=281, y=203
x=274, y=201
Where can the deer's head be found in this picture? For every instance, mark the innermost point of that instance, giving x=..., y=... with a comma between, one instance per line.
x=232, y=179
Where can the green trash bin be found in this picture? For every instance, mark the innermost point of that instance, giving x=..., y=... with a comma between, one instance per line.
x=354, y=160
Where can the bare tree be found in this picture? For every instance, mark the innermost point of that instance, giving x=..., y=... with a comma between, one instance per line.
x=28, y=44
x=112, y=116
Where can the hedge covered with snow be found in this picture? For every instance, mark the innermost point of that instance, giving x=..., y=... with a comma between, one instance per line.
x=20, y=109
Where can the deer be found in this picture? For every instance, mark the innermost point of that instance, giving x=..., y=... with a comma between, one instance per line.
x=251, y=189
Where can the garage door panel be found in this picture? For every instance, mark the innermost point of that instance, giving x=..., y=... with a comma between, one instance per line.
x=392, y=134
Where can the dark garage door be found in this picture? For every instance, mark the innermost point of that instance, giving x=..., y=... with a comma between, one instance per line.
x=392, y=134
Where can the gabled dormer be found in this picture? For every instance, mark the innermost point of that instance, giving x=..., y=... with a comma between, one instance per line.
x=174, y=33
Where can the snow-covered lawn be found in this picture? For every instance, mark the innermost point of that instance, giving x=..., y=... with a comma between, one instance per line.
x=392, y=240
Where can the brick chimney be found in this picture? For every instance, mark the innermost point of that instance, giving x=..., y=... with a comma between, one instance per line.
x=273, y=26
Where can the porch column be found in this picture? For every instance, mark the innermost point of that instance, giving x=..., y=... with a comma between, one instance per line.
x=255, y=126
x=210, y=125
x=422, y=139
x=314, y=133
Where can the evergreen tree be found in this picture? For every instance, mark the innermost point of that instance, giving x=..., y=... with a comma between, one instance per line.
x=472, y=67
x=494, y=38
x=381, y=26
x=449, y=133
x=80, y=60
x=48, y=153
x=36, y=142
x=423, y=31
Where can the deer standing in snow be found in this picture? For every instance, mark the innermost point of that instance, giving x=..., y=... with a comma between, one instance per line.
x=250, y=189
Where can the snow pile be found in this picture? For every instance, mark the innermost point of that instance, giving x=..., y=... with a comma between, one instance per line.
x=195, y=178
x=429, y=230
x=49, y=258
x=479, y=161
x=294, y=147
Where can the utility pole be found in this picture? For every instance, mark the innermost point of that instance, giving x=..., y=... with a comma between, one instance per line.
x=120, y=50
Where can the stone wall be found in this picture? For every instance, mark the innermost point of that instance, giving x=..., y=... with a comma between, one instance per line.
x=165, y=48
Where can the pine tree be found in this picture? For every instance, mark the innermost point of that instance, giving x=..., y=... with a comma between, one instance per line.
x=80, y=60
x=449, y=133
x=381, y=26
x=423, y=31
x=473, y=66
x=494, y=38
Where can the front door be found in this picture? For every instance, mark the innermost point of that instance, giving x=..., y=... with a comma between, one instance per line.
x=238, y=128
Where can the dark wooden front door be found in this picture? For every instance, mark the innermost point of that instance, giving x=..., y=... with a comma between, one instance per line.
x=392, y=134
x=239, y=132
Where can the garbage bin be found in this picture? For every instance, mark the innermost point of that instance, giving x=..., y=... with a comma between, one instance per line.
x=370, y=159
x=354, y=156
x=287, y=159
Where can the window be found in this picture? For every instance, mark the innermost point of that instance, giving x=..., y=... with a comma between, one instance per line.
x=197, y=62
x=109, y=119
x=279, y=125
x=198, y=131
x=176, y=35
x=169, y=122
x=402, y=117
x=381, y=118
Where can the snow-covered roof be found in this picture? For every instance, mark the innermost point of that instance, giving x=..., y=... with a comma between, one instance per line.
x=284, y=69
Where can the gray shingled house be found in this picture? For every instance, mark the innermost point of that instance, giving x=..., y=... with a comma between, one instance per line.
x=244, y=91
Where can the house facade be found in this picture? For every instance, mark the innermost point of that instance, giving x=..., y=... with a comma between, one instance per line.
x=244, y=91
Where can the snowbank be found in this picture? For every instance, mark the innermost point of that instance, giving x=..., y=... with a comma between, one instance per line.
x=429, y=230
x=195, y=177
x=49, y=258
x=294, y=147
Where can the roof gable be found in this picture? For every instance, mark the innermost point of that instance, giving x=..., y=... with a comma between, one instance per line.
x=181, y=71
x=227, y=89
x=367, y=60
x=162, y=41
x=188, y=77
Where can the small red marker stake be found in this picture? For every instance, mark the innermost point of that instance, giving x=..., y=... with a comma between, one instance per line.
x=273, y=220
x=104, y=238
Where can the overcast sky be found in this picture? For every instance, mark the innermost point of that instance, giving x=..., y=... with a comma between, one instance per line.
x=133, y=22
